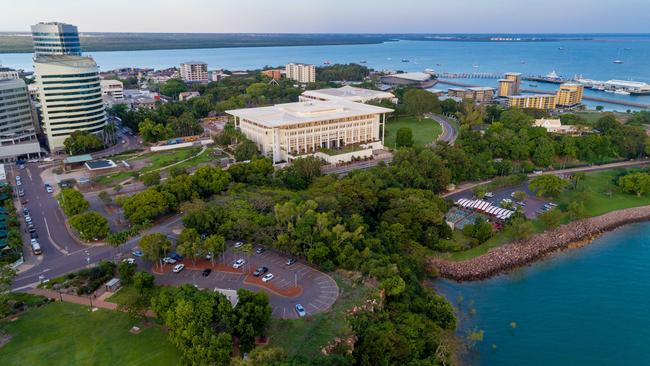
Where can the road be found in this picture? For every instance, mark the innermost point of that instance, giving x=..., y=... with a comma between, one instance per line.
x=449, y=132
x=592, y=168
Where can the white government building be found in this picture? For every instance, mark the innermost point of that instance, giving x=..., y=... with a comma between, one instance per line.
x=55, y=39
x=70, y=95
x=286, y=131
x=349, y=93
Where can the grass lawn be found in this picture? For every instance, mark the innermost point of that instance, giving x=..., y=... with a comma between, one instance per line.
x=599, y=192
x=591, y=117
x=424, y=131
x=308, y=335
x=69, y=334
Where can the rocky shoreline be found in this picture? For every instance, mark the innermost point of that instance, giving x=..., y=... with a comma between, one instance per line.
x=510, y=256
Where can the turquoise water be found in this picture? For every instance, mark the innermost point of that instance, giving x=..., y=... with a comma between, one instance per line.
x=589, y=306
x=592, y=59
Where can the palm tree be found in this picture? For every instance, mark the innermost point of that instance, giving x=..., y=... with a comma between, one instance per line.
x=110, y=134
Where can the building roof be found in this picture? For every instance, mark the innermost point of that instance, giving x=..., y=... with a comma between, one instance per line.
x=303, y=112
x=193, y=63
x=413, y=76
x=350, y=93
x=100, y=164
x=66, y=60
x=12, y=83
x=481, y=88
x=77, y=159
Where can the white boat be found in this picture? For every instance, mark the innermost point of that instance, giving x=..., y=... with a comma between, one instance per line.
x=622, y=92
x=618, y=61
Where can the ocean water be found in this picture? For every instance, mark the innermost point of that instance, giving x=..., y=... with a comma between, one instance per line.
x=592, y=59
x=589, y=306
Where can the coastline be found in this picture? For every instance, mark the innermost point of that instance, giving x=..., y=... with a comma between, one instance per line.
x=520, y=253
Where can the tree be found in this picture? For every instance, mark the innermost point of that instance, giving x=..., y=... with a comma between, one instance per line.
x=81, y=141
x=103, y=195
x=547, y=185
x=91, y=225
x=250, y=317
x=153, y=132
x=520, y=228
x=519, y=195
x=544, y=152
x=172, y=88
x=151, y=179
x=301, y=172
x=215, y=245
x=638, y=183
x=551, y=218
x=143, y=281
x=72, y=202
x=479, y=191
x=418, y=102
x=576, y=209
x=190, y=244
x=471, y=114
x=246, y=150
x=147, y=205
x=576, y=178
x=210, y=180
x=154, y=246
x=404, y=137
x=127, y=271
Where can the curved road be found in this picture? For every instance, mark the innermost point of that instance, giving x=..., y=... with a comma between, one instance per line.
x=449, y=132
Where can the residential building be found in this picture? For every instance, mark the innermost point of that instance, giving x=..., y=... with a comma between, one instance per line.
x=541, y=101
x=194, y=72
x=555, y=126
x=7, y=73
x=515, y=77
x=17, y=123
x=70, y=95
x=477, y=94
x=188, y=95
x=347, y=92
x=506, y=88
x=301, y=73
x=570, y=94
x=275, y=74
x=416, y=79
x=286, y=131
x=137, y=99
x=55, y=39
x=217, y=75
x=112, y=87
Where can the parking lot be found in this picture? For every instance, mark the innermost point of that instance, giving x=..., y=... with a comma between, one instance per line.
x=292, y=284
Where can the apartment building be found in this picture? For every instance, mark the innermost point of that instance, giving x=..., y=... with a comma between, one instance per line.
x=194, y=72
x=55, y=38
x=542, y=101
x=286, y=131
x=570, y=95
x=112, y=88
x=506, y=88
x=70, y=94
x=274, y=74
x=301, y=73
x=477, y=94
x=515, y=77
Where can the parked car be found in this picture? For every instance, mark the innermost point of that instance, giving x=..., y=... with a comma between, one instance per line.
x=552, y=204
x=488, y=195
x=33, y=235
x=300, y=310
x=268, y=277
x=290, y=261
x=18, y=179
x=176, y=256
x=239, y=263
x=31, y=228
x=36, y=248
x=19, y=183
x=239, y=244
x=259, y=250
x=209, y=256
x=48, y=188
x=25, y=211
x=21, y=193
x=137, y=253
x=520, y=203
x=260, y=271
x=169, y=260
x=206, y=272
x=177, y=268
x=28, y=219
x=129, y=260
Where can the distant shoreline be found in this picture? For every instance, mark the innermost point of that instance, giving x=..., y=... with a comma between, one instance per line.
x=520, y=253
x=18, y=42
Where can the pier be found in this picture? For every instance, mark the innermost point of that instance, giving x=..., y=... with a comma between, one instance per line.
x=530, y=91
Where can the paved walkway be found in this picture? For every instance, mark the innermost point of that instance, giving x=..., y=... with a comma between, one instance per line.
x=81, y=300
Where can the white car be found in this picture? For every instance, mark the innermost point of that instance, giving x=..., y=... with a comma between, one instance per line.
x=488, y=195
x=239, y=244
x=34, y=241
x=239, y=263
x=268, y=277
x=18, y=178
x=129, y=260
x=177, y=268
x=169, y=260
x=18, y=183
x=28, y=219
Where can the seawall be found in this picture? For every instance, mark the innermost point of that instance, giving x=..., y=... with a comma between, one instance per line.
x=519, y=253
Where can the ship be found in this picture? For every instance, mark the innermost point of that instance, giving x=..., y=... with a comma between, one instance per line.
x=622, y=92
x=405, y=60
x=618, y=61
x=551, y=77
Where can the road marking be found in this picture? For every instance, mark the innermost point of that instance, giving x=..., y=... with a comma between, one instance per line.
x=47, y=227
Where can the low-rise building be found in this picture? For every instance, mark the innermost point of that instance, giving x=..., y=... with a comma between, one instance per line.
x=137, y=99
x=570, y=95
x=217, y=75
x=541, y=101
x=275, y=74
x=349, y=93
x=188, y=95
x=555, y=126
x=113, y=88
x=194, y=72
x=301, y=73
x=416, y=79
x=477, y=94
x=286, y=131
x=7, y=73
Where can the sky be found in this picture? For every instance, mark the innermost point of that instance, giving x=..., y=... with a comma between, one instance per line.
x=333, y=16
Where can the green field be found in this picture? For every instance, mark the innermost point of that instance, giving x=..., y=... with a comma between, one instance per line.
x=69, y=334
x=307, y=336
x=599, y=193
x=425, y=131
